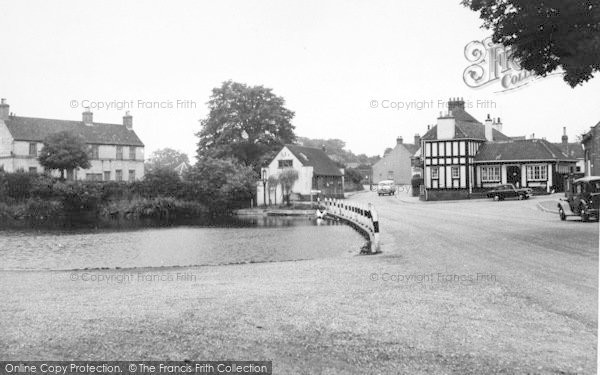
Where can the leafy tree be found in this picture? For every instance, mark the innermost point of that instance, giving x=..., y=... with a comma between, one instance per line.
x=387, y=151
x=287, y=177
x=221, y=183
x=166, y=158
x=64, y=151
x=162, y=182
x=272, y=183
x=246, y=123
x=544, y=36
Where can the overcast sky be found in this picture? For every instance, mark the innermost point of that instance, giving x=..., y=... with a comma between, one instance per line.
x=330, y=60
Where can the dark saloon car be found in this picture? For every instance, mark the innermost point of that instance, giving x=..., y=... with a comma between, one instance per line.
x=502, y=192
x=583, y=199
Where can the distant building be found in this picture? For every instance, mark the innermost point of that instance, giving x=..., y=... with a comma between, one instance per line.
x=461, y=154
x=115, y=151
x=591, y=146
x=316, y=171
x=573, y=150
x=396, y=165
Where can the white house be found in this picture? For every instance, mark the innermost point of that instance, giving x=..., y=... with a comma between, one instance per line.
x=115, y=151
x=316, y=171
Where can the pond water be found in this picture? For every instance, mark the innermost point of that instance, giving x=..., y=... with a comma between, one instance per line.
x=235, y=240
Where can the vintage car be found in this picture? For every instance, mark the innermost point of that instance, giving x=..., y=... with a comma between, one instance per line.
x=582, y=199
x=386, y=187
x=502, y=192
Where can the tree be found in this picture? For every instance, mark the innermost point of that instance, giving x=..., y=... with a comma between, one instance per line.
x=221, y=183
x=272, y=183
x=544, y=36
x=64, y=151
x=246, y=123
x=287, y=177
x=166, y=158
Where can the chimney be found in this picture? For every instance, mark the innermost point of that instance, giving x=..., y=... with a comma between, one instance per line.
x=564, y=138
x=456, y=103
x=497, y=124
x=88, y=117
x=417, y=140
x=128, y=121
x=4, y=109
x=488, y=129
x=399, y=140
x=323, y=148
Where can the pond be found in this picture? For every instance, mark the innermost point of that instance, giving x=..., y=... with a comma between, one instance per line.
x=229, y=241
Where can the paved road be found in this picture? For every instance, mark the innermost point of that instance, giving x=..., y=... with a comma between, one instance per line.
x=471, y=287
x=531, y=252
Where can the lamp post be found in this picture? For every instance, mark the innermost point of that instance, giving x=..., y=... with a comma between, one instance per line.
x=264, y=181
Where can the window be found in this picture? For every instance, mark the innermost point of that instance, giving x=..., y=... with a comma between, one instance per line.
x=107, y=176
x=119, y=152
x=33, y=149
x=285, y=163
x=32, y=169
x=132, y=153
x=537, y=173
x=490, y=174
x=93, y=152
x=93, y=176
x=455, y=172
x=119, y=175
x=131, y=175
x=435, y=173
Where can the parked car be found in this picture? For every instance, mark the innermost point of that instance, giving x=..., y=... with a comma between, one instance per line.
x=502, y=192
x=583, y=199
x=386, y=187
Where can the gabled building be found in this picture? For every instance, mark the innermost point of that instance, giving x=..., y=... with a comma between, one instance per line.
x=316, y=171
x=591, y=146
x=574, y=150
x=396, y=164
x=115, y=151
x=461, y=154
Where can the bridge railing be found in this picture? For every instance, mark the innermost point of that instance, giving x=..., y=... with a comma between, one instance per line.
x=362, y=215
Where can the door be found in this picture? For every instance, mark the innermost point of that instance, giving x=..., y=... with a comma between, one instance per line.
x=513, y=175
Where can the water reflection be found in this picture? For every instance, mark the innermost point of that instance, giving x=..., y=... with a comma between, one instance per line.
x=225, y=241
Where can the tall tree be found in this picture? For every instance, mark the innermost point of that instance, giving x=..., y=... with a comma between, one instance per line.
x=247, y=123
x=64, y=151
x=166, y=158
x=546, y=35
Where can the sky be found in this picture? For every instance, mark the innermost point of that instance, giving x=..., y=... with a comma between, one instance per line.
x=365, y=72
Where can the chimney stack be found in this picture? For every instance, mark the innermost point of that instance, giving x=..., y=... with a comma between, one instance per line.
x=497, y=124
x=128, y=121
x=323, y=148
x=565, y=137
x=399, y=140
x=417, y=140
x=4, y=110
x=88, y=117
x=456, y=103
x=488, y=129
